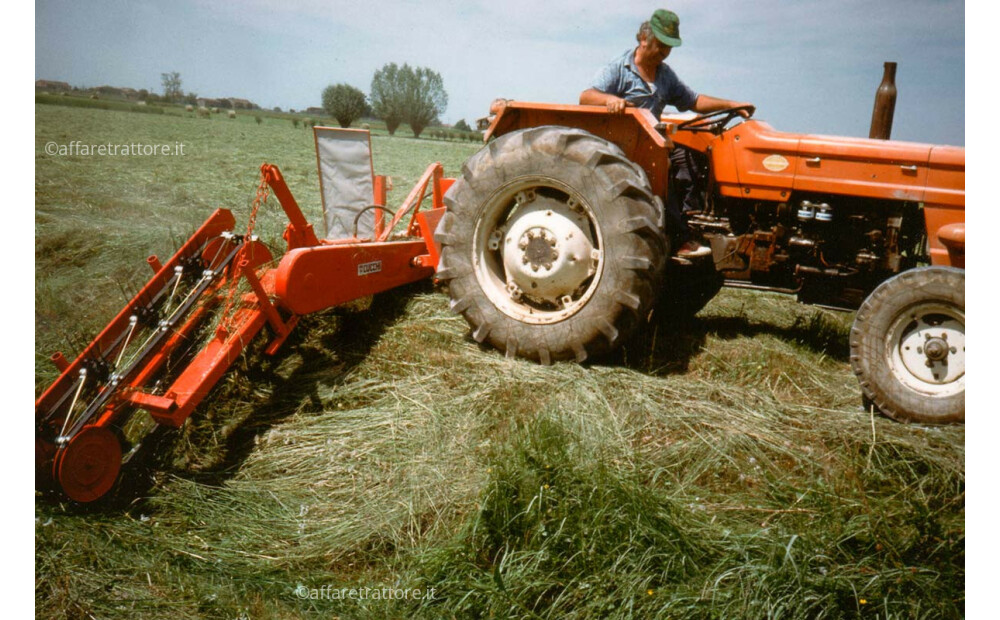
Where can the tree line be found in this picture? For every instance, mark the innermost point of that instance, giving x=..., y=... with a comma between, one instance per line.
x=399, y=94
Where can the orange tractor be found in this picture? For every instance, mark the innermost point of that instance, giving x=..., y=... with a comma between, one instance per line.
x=552, y=244
x=553, y=241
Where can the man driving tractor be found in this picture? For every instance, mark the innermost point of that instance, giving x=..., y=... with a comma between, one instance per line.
x=641, y=78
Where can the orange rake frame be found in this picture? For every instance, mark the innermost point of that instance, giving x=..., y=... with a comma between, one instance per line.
x=80, y=417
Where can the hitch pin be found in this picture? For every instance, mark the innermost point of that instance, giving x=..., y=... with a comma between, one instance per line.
x=132, y=320
x=69, y=414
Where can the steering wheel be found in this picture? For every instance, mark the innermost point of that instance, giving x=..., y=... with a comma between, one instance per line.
x=715, y=122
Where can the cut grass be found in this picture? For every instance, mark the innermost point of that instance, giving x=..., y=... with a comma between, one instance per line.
x=721, y=468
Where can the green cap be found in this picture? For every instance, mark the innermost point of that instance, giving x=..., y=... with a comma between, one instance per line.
x=666, y=27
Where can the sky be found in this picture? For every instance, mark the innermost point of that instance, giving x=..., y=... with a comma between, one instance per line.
x=808, y=66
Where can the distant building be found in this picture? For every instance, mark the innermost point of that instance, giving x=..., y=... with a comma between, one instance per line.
x=243, y=104
x=52, y=86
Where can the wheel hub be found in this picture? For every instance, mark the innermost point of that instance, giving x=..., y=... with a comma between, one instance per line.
x=538, y=248
x=930, y=350
x=548, y=250
x=936, y=349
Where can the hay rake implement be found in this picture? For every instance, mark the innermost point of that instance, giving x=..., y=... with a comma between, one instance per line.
x=173, y=341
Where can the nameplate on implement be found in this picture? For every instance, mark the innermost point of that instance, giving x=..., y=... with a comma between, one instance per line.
x=365, y=269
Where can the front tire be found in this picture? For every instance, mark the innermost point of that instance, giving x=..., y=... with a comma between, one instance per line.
x=908, y=346
x=551, y=244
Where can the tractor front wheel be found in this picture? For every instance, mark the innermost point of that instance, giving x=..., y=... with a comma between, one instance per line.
x=908, y=346
x=551, y=245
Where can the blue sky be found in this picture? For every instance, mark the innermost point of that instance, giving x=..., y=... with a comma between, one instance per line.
x=808, y=66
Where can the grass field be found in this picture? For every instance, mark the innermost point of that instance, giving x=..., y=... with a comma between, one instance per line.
x=718, y=469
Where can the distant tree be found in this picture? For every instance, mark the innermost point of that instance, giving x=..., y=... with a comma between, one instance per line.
x=191, y=98
x=462, y=126
x=425, y=99
x=143, y=94
x=344, y=102
x=277, y=109
x=172, y=86
x=388, y=94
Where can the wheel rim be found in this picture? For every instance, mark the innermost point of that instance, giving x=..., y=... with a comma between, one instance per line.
x=88, y=465
x=927, y=349
x=537, y=250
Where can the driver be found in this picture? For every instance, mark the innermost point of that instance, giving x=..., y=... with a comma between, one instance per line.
x=641, y=78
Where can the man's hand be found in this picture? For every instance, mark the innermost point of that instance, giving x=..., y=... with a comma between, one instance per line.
x=706, y=105
x=745, y=113
x=615, y=105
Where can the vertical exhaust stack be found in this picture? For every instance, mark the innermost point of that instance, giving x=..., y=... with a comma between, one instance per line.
x=885, y=104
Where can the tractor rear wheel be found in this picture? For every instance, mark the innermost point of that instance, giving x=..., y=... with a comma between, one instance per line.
x=908, y=346
x=552, y=244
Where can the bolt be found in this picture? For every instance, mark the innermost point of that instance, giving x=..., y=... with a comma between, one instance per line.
x=944, y=335
x=953, y=350
x=920, y=350
x=928, y=363
x=548, y=265
x=534, y=267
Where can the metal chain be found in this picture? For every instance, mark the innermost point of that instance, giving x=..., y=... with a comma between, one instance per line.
x=263, y=192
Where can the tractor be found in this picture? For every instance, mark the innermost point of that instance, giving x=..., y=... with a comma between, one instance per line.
x=553, y=244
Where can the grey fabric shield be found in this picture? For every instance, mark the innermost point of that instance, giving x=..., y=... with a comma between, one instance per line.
x=345, y=177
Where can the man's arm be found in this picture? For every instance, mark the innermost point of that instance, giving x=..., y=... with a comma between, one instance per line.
x=592, y=96
x=706, y=104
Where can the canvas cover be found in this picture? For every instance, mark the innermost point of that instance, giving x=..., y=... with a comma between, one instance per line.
x=344, y=157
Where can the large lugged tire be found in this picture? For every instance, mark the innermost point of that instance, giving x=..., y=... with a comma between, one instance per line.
x=908, y=346
x=551, y=245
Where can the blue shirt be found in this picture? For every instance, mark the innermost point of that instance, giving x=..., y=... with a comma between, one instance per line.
x=621, y=79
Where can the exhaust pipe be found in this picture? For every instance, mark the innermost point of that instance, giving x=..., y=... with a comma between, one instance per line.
x=885, y=104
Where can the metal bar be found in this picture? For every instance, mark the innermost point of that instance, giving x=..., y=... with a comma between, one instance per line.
x=273, y=318
x=299, y=232
x=312, y=279
x=205, y=370
x=420, y=189
x=379, y=192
